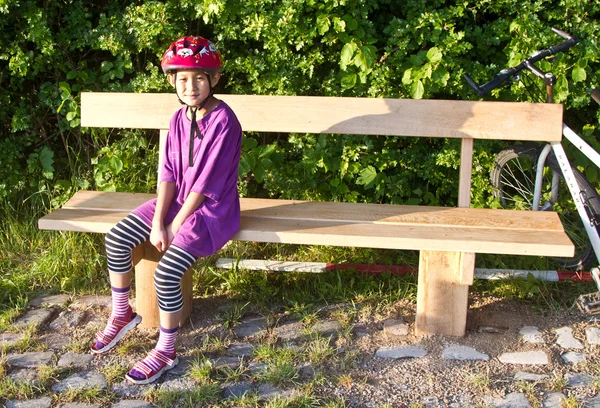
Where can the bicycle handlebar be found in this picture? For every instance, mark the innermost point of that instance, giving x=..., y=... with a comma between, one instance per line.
x=503, y=75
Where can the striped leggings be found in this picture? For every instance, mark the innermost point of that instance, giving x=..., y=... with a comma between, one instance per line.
x=132, y=231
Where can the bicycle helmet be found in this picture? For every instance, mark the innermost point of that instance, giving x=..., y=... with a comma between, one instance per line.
x=192, y=53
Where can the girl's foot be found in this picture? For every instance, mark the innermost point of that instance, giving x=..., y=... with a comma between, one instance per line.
x=151, y=368
x=116, y=328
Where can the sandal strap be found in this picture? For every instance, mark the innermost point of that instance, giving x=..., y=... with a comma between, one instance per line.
x=103, y=338
x=118, y=321
x=145, y=369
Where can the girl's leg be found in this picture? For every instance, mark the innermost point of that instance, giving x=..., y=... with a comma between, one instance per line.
x=167, y=281
x=120, y=241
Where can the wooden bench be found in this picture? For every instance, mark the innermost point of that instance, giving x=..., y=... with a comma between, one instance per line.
x=447, y=238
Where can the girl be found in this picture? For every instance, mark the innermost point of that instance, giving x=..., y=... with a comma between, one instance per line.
x=197, y=209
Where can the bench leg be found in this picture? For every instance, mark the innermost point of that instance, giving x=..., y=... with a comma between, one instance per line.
x=442, y=293
x=146, y=302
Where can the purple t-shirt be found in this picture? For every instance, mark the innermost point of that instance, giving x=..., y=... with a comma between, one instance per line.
x=214, y=174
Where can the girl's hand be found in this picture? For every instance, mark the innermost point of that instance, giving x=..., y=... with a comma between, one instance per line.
x=159, y=238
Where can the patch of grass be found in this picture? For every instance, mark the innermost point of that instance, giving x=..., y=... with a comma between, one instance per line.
x=556, y=383
x=201, y=396
x=93, y=395
x=21, y=390
x=212, y=344
x=79, y=344
x=114, y=373
x=280, y=373
x=531, y=393
x=319, y=350
x=570, y=402
x=28, y=342
x=345, y=380
x=480, y=381
x=232, y=316
x=132, y=345
x=48, y=375
x=200, y=371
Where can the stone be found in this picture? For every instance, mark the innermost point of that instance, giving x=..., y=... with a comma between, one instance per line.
x=236, y=390
x=83, y=302
x=9, y=339
x=327, y=328
x=132, y=404
x=256, y=368
x=270, y=392
x=458, y=352
x=67, y=320
x=531, y=334
x=592, y=335
x=35, y=318
x=23, y=375
x=74, y=360
x=79, y=405
x=251, y=327
x=395, y=328
x=82, y=380
x=554, y=400
x=525, y=358
x=576, y=380
x=573, y=357
x=306, y=371
x=30, y=359
x=127, y=390
x=55, y=341
x=240, y=349
x=566, y=339
x=525, y=376
x=593, y=402
x=514, y=400
x=177, y=384
x=220, y=363
x=50, y=300
x=45, y=402
x=489, y=329
x=401, y=352
x=429, y=401
x=290, y=331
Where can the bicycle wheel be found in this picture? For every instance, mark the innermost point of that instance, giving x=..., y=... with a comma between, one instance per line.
x=513, y=178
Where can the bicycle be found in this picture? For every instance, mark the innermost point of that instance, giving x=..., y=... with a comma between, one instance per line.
x=529, y=176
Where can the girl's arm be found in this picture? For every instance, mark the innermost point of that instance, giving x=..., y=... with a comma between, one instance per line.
x=191, y=204
x=158, y=235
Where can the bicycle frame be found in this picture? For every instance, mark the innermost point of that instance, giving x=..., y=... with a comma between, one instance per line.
x=569, y=177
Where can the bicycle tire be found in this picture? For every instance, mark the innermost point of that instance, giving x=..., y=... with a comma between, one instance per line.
x=513, y=178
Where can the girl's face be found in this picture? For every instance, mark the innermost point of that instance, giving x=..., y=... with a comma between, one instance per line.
x=192, y=85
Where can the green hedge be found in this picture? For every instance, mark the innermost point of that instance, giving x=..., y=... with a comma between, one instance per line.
x=52, y=50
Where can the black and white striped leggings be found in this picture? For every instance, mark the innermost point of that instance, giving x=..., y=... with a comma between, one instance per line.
x=132, y=231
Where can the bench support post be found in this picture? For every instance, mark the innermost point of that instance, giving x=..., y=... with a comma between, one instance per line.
x=442, y=292
x=146, y=258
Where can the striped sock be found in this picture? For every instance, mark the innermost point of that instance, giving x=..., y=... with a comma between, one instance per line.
x=166, y=341
x=120, y=301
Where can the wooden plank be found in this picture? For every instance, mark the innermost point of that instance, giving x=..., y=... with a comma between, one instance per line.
x=466, y=167
x=368, y=235
x=442, y=300
x=342, y=115
x=345, y=212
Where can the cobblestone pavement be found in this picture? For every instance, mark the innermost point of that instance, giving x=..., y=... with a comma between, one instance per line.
x=376, y=362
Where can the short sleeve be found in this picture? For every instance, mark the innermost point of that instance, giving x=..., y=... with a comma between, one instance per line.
x=223, y=156
x=166, y=170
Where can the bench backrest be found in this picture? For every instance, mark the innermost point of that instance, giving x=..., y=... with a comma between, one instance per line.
x=467, y=120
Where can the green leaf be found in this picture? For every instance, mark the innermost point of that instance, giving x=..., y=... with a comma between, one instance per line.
x=115, y=165
x=417, y=90
x=407, y=77
x=434, y=54
x=367, y=176
x=348, y=81
x=65, y=87
x=72, y=75
x=71, y=115
x=47, y=159
x=579, y=74
x=347, y=54
x=339, y=25
x=323, y=23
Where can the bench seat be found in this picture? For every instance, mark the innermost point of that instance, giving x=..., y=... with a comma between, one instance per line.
x=338, y=224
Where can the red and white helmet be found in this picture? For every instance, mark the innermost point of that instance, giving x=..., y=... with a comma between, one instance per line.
x=192, y=53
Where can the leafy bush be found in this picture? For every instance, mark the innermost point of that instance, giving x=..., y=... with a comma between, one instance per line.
x=51, y=51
